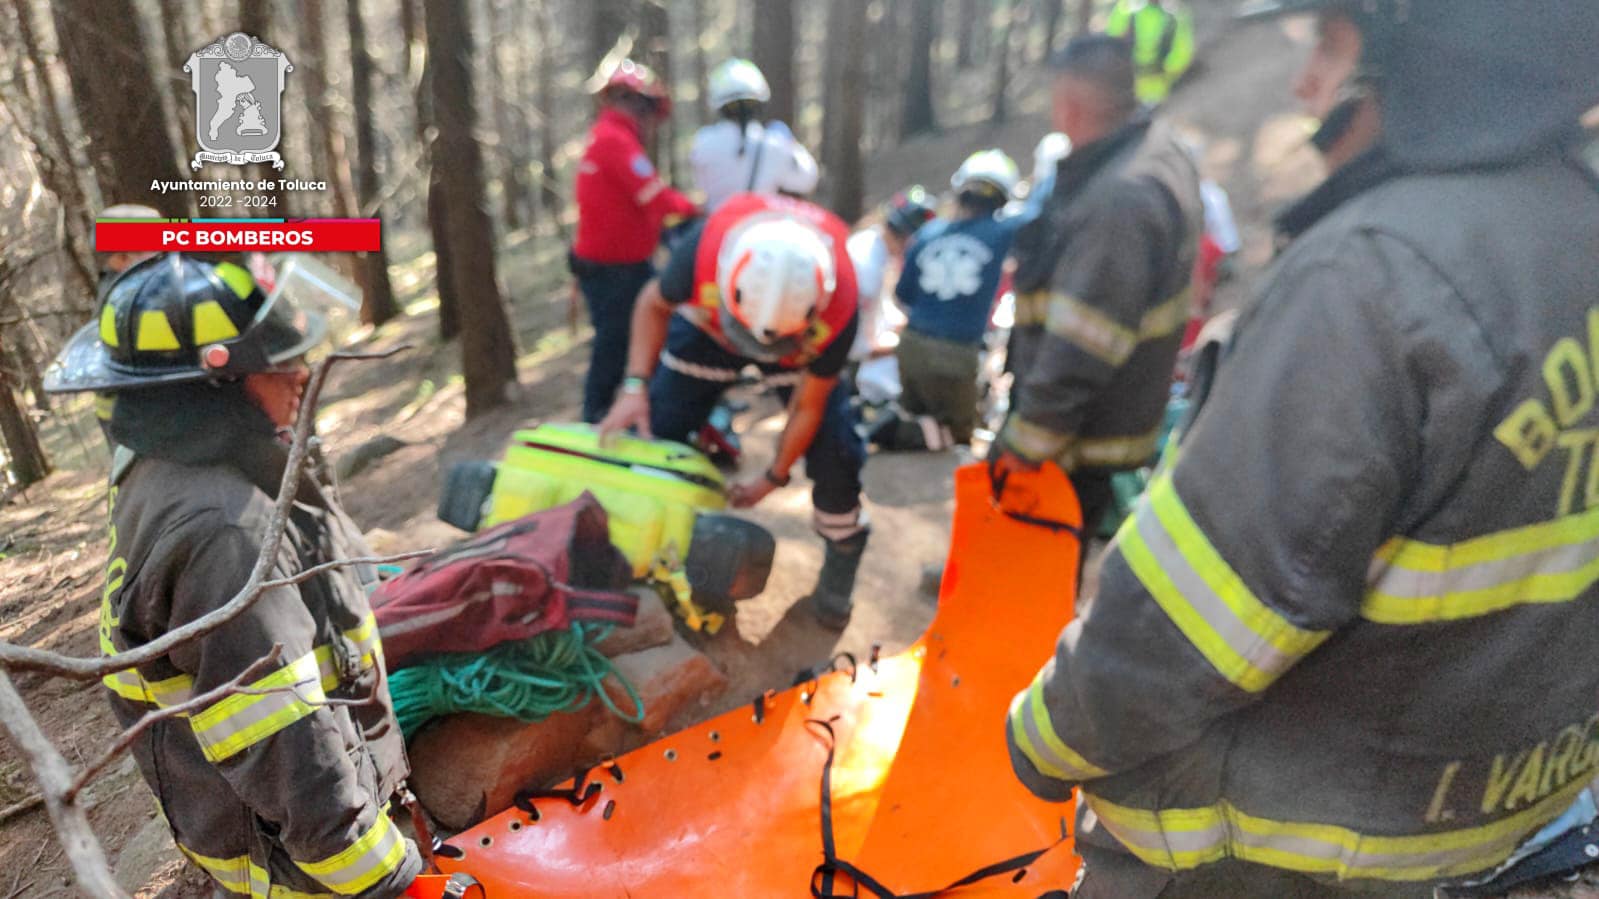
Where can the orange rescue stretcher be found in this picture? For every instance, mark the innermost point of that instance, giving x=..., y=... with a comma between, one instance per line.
x=878, y=777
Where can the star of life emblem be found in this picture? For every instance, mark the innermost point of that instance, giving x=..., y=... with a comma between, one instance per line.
x=238, y=101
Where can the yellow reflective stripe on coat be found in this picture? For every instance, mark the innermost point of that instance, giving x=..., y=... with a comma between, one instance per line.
x=1113, y=452
x=1033, y=441
x=235, y=723
x=1089, y=329
x=262, y=887
x=368, y=860
x=1244, y=639
x=1035, y=736
x=1412, y=582
x=131, y=685
x=1166, y=319
x=1181, y=839
x=232, y=874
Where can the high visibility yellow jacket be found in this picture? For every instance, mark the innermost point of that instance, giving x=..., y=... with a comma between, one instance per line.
x=1351, y=632
x=275, y=794
x=1162, y=35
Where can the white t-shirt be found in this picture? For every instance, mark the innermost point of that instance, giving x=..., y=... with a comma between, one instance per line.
x=868, y=252
x=721, y=170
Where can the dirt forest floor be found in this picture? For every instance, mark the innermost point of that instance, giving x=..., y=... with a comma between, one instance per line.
x=52, y=540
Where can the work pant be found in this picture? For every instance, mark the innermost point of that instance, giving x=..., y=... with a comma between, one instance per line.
x=939, y=380
x=694, y=373
x=609, y=291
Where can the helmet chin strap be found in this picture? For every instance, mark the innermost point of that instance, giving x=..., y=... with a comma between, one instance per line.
x=1336, y=123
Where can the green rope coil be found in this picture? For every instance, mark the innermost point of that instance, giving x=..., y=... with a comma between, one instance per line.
x=528, y=680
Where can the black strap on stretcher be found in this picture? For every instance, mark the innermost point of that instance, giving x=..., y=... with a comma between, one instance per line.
x=824, y=877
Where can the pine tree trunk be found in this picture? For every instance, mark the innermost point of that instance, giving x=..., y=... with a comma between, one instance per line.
x=845, y=115
x=324, y=109
x=180, y=42
x=971, y=29
x=773, y=51
x=1054, y=11
x=24, y=453
x=702, y=77
x=118, y=104
x=411, y=33
x=377, y=294
x=1002, y=69
x=56, y=171
x=488, y=349
x=507, y=123
x=919, y=117
x=550, y=195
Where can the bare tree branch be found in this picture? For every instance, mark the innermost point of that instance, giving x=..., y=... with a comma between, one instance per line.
x=59, y=785
x=23, y=658
x=54, y=775
x=150, y=720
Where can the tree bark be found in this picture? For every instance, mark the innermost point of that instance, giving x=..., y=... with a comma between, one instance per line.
x=509, y=126
x=56, y=170
x=1054, y=11
x=702, y=111
x=411, y=33
x=1009, y=11
x=118, y=105
x=845, y=114
x=919, y=117
x=377, y=294
x=772, y=49
x=324, y=108
x=551, y=197
x=971, y=28
x=24, y=454
x=175, y=16
x=1085, y=16
x=488, y=349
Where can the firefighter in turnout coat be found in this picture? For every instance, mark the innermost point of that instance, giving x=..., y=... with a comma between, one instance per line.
x=273, y=792
x=1346, y=642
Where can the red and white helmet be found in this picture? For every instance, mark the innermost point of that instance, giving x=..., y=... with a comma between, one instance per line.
x=638, y=78
x=775, y=276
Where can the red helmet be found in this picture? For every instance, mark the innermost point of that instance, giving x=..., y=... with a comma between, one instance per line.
x=638, y=78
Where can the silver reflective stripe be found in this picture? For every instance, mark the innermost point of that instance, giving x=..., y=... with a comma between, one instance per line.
x=839, y=525
x=1030, y=716
x=1115, y=451
x=365, y=862
x=1216, y=615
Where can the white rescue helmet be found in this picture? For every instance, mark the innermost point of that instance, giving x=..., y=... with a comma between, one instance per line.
x=775, y=277
x=988, y=172
x=735, y=80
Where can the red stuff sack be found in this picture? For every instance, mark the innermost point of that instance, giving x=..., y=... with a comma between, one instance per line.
x=535, y=574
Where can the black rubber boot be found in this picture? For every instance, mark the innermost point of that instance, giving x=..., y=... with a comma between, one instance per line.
x=832, y=599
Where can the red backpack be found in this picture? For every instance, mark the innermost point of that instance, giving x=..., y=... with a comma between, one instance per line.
x=515, y=581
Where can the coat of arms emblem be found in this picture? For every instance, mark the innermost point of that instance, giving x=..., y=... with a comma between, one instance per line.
x=238, y=101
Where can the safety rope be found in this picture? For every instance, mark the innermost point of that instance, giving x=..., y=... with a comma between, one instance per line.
x=528, y=680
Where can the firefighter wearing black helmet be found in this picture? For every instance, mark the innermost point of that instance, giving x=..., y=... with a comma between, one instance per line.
x=276, y=791
x=1346, y=643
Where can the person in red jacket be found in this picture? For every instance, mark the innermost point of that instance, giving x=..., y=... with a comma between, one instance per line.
x=622, y=205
